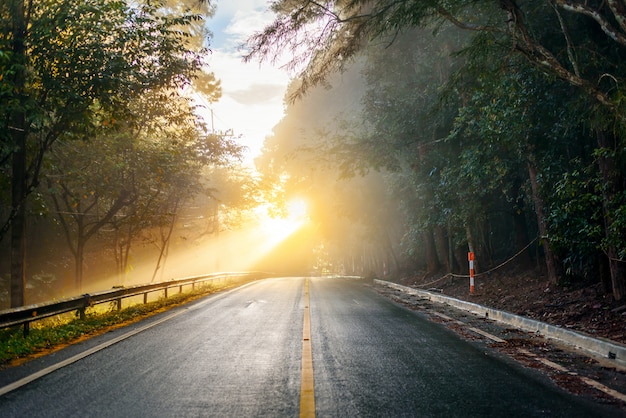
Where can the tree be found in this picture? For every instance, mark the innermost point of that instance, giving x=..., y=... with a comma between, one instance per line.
x=508, y=133
x=581, y=43
x=317, y=34
x=90, y=186
x=14, y=123
x=357, y=228
x=404, y=135
x=134, y=175
x=67, y=60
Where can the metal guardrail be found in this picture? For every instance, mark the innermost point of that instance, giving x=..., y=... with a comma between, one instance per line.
x=24, y=315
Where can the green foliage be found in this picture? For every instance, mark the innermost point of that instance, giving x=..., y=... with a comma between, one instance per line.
x=575, y=220
x=102, y=81
x=540, y=90
x=617, y=230
x=85, y=61
x=134, y=174
x=104, y=52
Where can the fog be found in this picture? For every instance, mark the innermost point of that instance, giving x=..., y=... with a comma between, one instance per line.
x=323, y=151
x=276, y=245
x=315, y=147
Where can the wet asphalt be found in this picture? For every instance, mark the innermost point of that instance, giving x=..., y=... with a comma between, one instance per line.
x=238, y=354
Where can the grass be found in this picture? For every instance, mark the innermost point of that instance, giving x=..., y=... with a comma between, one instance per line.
x=51, y=334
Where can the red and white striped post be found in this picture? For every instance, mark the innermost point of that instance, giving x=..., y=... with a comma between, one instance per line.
x=470, y=258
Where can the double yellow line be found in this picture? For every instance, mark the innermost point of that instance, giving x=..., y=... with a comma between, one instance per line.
x=307, y=383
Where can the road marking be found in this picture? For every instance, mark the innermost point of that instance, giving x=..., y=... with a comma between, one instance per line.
x=476, y=330
x=593, y=383
x=307, y=383
x=442, y=316
x=486, y=334
x=552, y=364
x=603, y=388
x=545, y=361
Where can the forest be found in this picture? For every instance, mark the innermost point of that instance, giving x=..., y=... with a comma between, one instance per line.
x=416, y=131
x=103, y=148
x=492, y=127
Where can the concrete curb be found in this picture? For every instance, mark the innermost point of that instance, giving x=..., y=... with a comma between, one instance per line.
x=605, y=349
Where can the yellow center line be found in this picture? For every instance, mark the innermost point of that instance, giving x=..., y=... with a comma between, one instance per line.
x=307, y=384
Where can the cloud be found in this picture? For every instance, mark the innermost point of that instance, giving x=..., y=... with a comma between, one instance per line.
x=252, y=99
x=240, y=79
x=236, y=21
x=258, y=93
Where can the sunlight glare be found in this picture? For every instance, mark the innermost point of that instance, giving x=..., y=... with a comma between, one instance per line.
x=278, y=229
x=229, y=251
x=296, y=209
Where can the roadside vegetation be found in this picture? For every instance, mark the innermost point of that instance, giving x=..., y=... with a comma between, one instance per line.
x=53, y=333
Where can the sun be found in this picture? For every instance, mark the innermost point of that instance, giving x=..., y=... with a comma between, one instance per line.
x=293, y=217
x=296, y=209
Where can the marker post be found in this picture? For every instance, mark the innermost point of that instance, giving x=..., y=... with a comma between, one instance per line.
x=470, y=258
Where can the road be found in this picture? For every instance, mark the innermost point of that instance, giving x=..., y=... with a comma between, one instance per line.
x=240, y=354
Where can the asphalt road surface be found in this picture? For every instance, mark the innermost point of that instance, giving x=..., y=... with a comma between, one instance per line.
x=240, y=354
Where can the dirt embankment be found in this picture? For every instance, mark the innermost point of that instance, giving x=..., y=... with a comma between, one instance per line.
x=586, y=309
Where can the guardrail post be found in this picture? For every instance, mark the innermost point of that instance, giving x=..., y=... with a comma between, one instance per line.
x=86, y=304
x=21, y=317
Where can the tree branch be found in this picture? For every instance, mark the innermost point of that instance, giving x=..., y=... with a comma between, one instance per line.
x=605, y=25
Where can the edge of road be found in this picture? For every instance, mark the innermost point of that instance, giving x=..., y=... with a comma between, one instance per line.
x=100, y=342
x=607, y=350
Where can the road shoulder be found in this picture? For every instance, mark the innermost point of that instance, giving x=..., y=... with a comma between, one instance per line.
x=570, y=369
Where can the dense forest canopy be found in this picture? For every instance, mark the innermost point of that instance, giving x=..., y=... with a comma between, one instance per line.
x=496, y=124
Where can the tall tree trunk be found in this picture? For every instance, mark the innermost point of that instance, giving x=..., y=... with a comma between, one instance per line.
x=124, y=249
x=460, y=256
x=432, y=262
x=604, y=271
x=79, y=252
x=78, y=263
x=18, y=224
x=442, y=248
x=612, y=187
x=18, y=185
x=519, y=225
x=165, y=244
x=471, y=246
x=390, y=252
x=554, y=274
x=122, y=252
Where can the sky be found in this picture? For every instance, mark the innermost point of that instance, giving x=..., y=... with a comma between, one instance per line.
x=252, y=95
